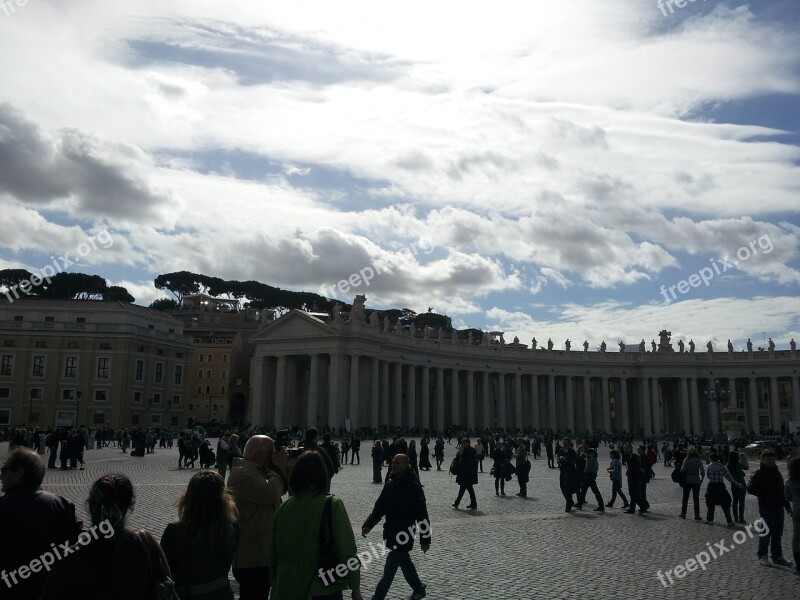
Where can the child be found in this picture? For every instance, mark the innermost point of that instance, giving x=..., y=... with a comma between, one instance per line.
x=615, y=473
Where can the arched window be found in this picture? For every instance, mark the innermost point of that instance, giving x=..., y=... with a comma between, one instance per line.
x=208, y=374
x=222, y=389
x=224, y=374
x=210, y=357
x=208, y=390
x=224, y=358
x=202, y=356
x=200, y=373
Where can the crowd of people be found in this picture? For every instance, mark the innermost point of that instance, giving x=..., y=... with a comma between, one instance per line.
x=298, y=546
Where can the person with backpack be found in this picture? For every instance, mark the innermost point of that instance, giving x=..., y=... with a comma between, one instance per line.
x=693, y=472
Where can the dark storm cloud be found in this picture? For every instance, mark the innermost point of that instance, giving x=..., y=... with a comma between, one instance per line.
x=39, y=168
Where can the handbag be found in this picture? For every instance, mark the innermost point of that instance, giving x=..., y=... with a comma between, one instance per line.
x=328, y=561
x=160, y=575
x=454, y=464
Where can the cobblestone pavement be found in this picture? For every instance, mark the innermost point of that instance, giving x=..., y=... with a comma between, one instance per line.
x=509, y=547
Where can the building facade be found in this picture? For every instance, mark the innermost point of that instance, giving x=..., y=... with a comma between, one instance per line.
x=93, y=363
x=355, y=373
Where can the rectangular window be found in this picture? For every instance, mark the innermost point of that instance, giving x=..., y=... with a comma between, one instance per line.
x=140, y=348
x=137, y=397
x=40, y=345
x=71, y=367
x=5, y=393
x=80, y=320
x=5, y=417
x=38, y=366
x=72, y=345
x=36, y=393
x=99, y=418
x=8, y=344
x=67, y=394
x=103, y=368
x=156, y=399
x=159, y=375
x=101, y=396
x=176, y=400
x=178, y=375
x=49, y=319
x=105, y=346
x=18, y=318
x=139, y=371
x=7, y=365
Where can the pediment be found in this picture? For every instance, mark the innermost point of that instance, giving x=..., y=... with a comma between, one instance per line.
x=294, y=324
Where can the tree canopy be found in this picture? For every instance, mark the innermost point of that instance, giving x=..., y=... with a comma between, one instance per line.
x=62, y=286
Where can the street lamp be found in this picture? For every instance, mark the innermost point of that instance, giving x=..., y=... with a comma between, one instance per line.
x=78, y=409
x=30, y=407
x=718, y=396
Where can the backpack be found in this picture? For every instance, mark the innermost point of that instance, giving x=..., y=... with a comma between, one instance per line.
x=454, y=464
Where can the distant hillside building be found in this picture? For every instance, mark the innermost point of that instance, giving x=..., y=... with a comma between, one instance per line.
x=310, y=371
x=86, y=362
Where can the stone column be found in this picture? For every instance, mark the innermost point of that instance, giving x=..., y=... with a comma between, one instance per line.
x=455, y=416
x=501, y=400
x=730, y=384
x=655, y=398
x=354, y=391
x=645, y=411
x=439, y=407
x=695, y=405
x=551, y=402
x=259, y=401
x=470, y=383
x=411, y=396
x=313, y=391
x=587, y=404
x=398, y=394
x=334, y=377
x=712, y=409
x=374, y=394
x=686, y=419
x=517, y=423
x=486, y=396
x=774, y=405
x=796, y=399
x=280, y=393
x=384, y=419
x=606, y=405
x=624, y=422
x=570, y=402
x=752, y=397
x=534, y=403
x=426, y=398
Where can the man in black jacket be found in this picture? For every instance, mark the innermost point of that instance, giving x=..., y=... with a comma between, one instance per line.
x=767, y=484
x=467, y=474
x=402, y=502
x=32, y=521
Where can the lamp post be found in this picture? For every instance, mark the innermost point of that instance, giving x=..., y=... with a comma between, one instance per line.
x=718, y=396
x=30, y=408
x=78, y=409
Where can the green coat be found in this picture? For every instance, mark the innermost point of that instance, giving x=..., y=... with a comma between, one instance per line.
x=295, y=548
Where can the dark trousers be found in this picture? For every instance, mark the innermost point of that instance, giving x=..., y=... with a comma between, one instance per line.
x=616, y=488
x=643, y=503
x=694, y=488
x=550, y=461
x=356, y=456
x=461, y=490
x=480, y=463
x=523, y=486
x=401, y=559
x=51, y=461
x=773, y=517
x=721, y=500
x=254, y=583
x=376, y=471
x=590, y=483
x=634, y=490
x=499, y=482
x=567, y=489
x=738, y=503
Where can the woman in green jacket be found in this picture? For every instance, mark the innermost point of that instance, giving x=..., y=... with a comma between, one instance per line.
x=295, y=572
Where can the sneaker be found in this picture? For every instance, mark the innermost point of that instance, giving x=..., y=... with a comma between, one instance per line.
x=698, y=518
x=629, y=512
x=599, y=509
x=419, y=595
x=764, y=560
x=781, y=562
x=609, y=505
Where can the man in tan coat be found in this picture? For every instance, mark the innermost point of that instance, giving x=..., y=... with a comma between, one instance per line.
x=257, y=482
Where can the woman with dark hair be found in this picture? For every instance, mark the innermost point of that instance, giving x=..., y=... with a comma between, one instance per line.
x=200, y=546
x=112, y=557
x=295, y=570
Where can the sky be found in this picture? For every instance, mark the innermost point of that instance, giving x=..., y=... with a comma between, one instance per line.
x=587, y=170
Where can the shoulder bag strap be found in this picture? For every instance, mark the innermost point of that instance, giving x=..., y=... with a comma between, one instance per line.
x=325, y=525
